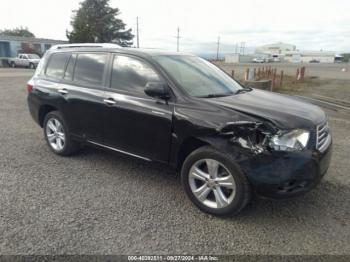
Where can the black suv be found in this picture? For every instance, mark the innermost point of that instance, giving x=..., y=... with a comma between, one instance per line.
x=227, y=141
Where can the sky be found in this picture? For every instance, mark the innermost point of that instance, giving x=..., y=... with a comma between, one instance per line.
x=308, y=24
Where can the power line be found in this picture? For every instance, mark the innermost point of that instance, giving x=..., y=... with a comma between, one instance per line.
x=137, y=32
x=218, y=48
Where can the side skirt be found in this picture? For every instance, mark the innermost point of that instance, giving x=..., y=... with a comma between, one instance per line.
x=118, y=150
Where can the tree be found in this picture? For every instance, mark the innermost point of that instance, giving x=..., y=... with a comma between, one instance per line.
x=346, y=57
x=18, y=31
x=96, y=22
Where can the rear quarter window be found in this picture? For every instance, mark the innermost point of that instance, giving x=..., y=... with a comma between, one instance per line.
x=57, y=64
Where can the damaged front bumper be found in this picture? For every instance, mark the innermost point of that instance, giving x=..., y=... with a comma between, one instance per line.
x=286, y=174
x=276, y=173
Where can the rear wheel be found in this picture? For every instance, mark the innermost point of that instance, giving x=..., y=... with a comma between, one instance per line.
x=57, y=135
x=214, y=183
x=13, y=64
x=31, y=66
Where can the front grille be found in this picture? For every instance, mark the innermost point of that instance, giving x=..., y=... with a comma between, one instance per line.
x=322, y=135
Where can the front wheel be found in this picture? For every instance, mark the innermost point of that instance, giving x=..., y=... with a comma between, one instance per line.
x=57, y=135
x=214, y=182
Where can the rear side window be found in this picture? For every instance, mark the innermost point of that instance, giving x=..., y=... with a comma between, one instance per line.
x=89, y=68
x=57, y=65
x=131, y=74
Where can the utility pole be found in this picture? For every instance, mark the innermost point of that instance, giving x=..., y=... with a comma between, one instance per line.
x=242, y=48
x=218, y=48
x=137, y=32
x=178, y=39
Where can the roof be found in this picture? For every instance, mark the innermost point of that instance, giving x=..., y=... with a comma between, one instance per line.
x=135, y=51
x=31, y=39
x=81, y=45
x=155, y=51
x=277, y=44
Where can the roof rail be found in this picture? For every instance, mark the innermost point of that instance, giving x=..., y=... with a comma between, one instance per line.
x=102, y=45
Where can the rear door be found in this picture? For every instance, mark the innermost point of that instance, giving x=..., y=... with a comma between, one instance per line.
x=83, y=85
x=25, y=60
x=20, y=60
x=75, y=84
x=134, y=122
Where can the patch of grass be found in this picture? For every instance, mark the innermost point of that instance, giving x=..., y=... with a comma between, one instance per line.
x=291, y=84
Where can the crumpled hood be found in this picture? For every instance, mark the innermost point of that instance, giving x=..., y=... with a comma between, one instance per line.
x=285, y=111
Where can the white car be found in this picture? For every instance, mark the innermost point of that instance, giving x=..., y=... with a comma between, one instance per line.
x=25, y=60
x=258, y=60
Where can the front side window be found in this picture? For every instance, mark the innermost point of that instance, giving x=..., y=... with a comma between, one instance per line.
x=57, y=64
x=197, y=76
x=89, y=68
x=131, y=74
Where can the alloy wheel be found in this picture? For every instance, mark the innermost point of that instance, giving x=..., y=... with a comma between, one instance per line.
x=55, y=134
x=211, y=183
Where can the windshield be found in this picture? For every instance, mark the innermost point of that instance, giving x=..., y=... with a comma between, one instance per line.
x=33, y=56
x=197, y=76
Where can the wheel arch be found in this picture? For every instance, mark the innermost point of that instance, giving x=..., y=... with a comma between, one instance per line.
x=192, y=143
x=187, y=147
x=43, y=111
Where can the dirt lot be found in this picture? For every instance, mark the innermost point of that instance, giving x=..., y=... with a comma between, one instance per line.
x=327, y=71
x=100, y=202
x=323, y=81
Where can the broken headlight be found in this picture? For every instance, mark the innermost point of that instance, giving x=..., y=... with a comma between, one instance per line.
x=290, y=141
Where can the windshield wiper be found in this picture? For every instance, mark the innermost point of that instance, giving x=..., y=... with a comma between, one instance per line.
x=243, y=90
x=216, y=95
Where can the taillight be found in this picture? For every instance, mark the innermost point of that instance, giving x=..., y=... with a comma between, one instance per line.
x=29, y=88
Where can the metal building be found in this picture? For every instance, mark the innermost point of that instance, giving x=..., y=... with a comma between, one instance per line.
x=289, y=53
x=310, y=56
x=10, y=46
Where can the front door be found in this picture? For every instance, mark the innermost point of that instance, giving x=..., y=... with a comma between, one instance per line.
x=134, y=122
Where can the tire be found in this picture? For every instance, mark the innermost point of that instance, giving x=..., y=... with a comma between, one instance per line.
x=31, y=66
x=55, y=130
x=230, y=182
x=13, y=64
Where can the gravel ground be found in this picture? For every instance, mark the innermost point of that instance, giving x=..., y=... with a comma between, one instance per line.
x=100, y=202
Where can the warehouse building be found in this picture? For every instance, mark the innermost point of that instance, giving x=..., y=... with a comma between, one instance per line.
x=10, y=46
x=289, y=53
x=238, y=58
x=310, y=56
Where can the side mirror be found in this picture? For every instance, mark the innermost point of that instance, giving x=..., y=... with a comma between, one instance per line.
x=157, y=89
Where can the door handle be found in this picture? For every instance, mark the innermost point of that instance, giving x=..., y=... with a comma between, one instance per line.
x=109, y=101
x=63, y=91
